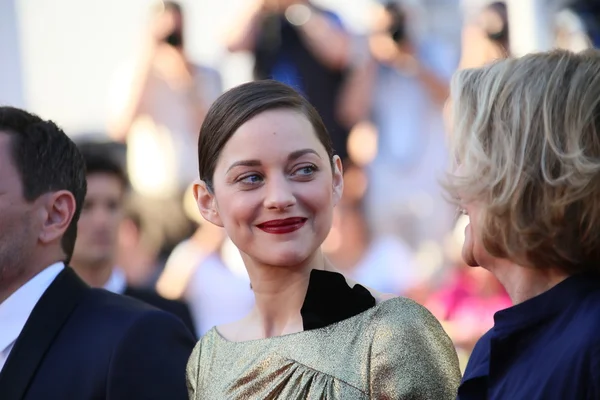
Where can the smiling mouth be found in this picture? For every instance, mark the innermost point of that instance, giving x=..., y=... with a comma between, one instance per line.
x=282, y=226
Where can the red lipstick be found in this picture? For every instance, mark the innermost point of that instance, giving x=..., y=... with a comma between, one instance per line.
x=281, y=226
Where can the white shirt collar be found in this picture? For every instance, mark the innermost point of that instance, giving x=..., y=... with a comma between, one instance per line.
x=117, y=283
x=15, y=310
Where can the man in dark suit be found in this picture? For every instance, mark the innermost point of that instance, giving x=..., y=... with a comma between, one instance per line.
x=98, y=228
x=59, y=338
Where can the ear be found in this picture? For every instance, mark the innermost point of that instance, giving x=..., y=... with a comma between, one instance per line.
x=338, y=179
x=207, y=203
x=58, y=211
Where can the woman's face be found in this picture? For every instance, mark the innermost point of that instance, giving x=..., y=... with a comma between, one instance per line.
x=468, y=250
x=473, y=252
x=274, y=190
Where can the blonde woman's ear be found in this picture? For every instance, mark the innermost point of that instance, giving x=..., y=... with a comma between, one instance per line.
x=207, y=204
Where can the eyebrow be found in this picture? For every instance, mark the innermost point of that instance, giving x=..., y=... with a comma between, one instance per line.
x=256, y=163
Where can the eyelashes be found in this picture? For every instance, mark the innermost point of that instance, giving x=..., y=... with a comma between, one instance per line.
x=301, y=173
x=252, y=179
x=311, y=170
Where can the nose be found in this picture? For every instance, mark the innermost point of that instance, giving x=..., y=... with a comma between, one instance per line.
x=279, y=194
x=101, y=217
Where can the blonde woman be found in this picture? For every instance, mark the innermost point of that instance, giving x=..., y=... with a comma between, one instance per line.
x=526, y=140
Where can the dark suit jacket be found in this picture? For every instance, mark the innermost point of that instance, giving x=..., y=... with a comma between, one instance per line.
x=81, y=343
x=178, y=308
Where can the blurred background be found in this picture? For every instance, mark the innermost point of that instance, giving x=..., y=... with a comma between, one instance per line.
x=136, y=77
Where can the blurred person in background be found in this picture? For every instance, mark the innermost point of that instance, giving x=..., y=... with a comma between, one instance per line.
x=589, y=12
x=302, y=45
x=59, y=338
x=572, y=30
x=137, y=252
x=384, y=263
x=158, y=104
x=485, y=37
x=400, y=85
x=526, y=169
x=95, y=252
x=207, y=271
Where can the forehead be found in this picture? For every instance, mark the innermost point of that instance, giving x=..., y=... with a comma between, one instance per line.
x=5, y=143
x=271, y=135
x=103, y=183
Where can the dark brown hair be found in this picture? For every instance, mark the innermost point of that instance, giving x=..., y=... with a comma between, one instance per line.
x=238, y=105
x=47, y=161
x=100, y=158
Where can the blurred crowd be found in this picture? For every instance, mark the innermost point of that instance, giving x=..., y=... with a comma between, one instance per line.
x=381, y=96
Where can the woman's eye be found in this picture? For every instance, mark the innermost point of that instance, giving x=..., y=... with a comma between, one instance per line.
x=306, y=170
x=251, y=179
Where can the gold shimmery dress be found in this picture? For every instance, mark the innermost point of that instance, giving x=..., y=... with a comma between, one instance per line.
x=392, y=350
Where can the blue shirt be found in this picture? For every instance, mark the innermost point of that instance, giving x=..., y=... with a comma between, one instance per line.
x=547, y=347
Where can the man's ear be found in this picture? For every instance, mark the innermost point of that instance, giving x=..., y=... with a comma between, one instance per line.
x=338, y=179
x=58, y=209
x=207, y=203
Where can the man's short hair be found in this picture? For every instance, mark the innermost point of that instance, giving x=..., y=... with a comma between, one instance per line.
x=101, y=158
x=47, y=161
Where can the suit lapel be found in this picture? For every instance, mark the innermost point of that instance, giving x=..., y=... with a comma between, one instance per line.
x=47, y=318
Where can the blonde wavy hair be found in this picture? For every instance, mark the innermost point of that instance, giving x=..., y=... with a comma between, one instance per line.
x=526, y=149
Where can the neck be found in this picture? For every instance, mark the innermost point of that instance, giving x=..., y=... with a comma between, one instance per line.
x=279, y=294
x=95, y=275
x=349, y=254
x=13, y=277
x=523, y=283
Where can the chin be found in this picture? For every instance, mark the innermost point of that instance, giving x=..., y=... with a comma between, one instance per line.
x=468, y=249
x=283, y=257
x=100, y=260
x=286, y=260
x=469, y=258
x=470, y=262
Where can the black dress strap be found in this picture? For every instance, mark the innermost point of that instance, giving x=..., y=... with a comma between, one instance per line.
x=329, y=299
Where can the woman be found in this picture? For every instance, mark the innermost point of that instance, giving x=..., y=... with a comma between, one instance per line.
x=525, y=137
x=269, y=177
